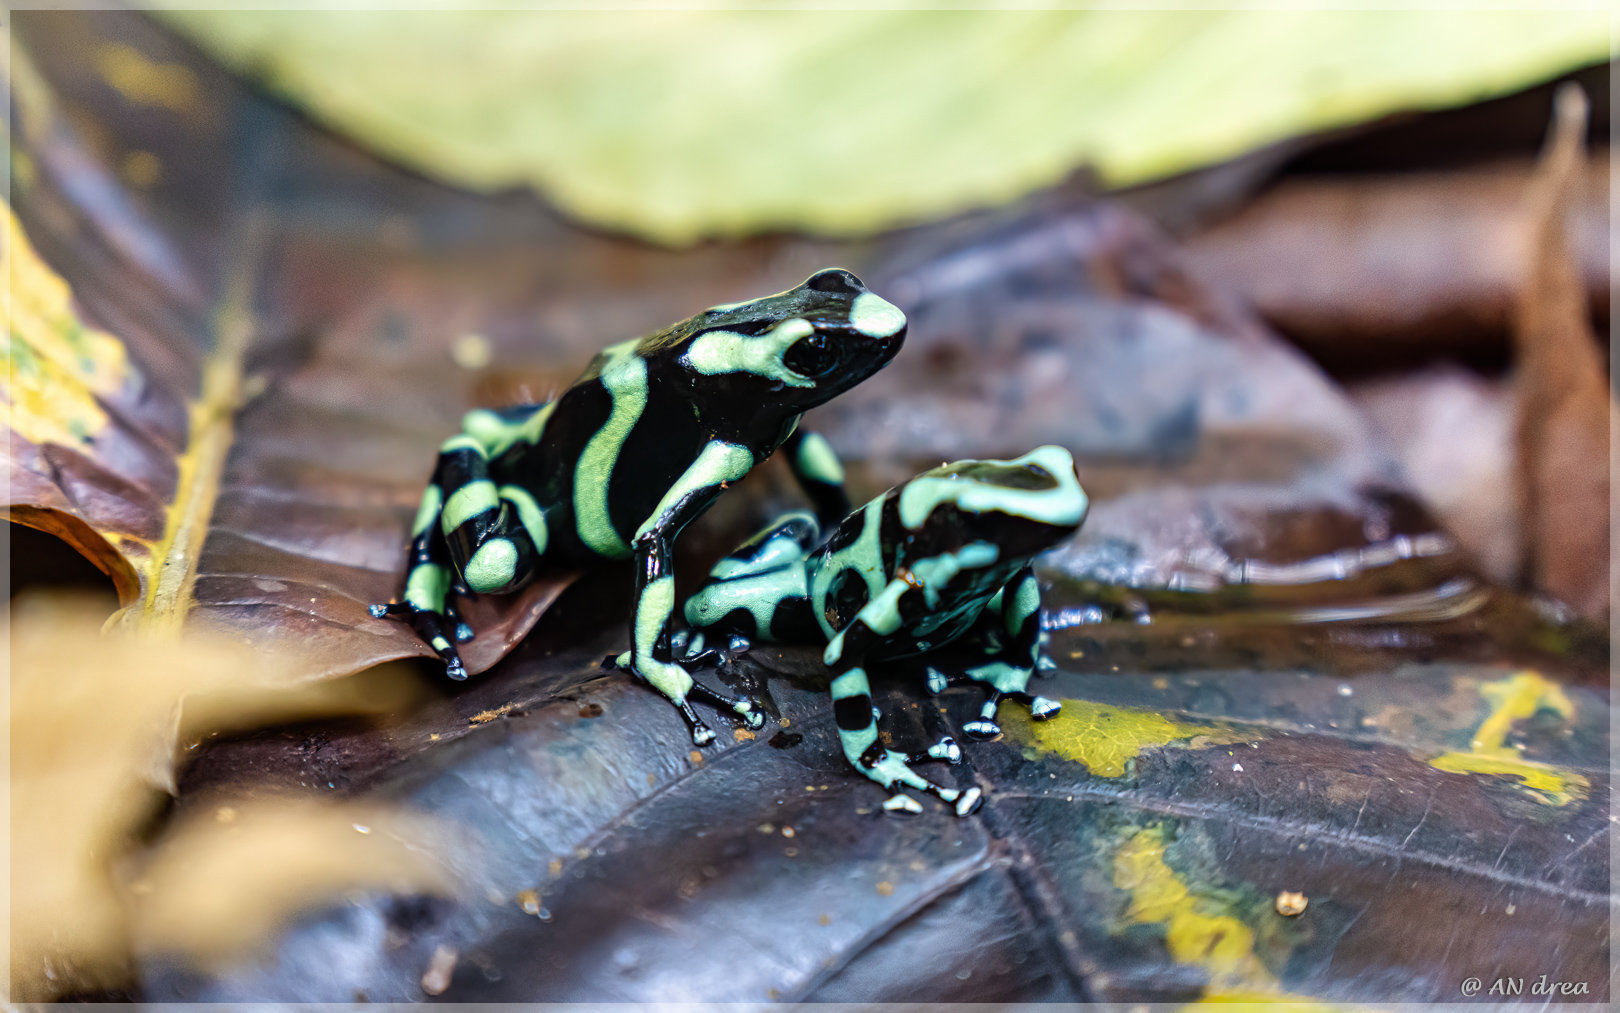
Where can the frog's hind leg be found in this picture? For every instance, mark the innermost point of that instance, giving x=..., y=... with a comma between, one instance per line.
x=430, y=587
x=1013, y=636
x=495, y=535
x=469, y=536
x=758, y=592
x=857, y=731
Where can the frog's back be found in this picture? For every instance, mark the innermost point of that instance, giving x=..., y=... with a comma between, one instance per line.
x=958, y=533
x=611, y=445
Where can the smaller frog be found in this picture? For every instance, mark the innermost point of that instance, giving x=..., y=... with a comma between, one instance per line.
x=941, y=558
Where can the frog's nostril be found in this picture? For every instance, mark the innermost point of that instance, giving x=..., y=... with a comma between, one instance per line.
x=835, y=279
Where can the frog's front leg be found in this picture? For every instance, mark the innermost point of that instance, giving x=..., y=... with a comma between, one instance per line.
x=857, y=732
x=852, y=702
x=820, y=474
x=1015, y=641
x=651, y=656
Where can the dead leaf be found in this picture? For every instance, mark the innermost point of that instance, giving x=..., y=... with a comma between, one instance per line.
x=175, y=447
x=1567, y=412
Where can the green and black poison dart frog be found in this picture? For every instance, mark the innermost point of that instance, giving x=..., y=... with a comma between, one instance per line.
x=639, y=445
x=943, y=557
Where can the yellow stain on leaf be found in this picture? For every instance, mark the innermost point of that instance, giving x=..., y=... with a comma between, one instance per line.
x=148, y=82
x=681, y=124
x=1514, y=698
x=1274, y=1002
x=1106, y=738
x=55, y=368
x=1199, y=931
x=94, y=721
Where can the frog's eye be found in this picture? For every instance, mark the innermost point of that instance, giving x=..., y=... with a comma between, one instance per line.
x=835, y=280
x=810, y=356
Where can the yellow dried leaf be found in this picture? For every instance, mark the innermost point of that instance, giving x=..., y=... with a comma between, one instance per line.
x=94, y=720
x=215, y=889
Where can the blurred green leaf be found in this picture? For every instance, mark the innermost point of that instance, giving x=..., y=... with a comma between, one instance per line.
x=677, y=125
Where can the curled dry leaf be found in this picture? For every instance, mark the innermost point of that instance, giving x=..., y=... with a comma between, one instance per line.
x=94, y=720
x=1566, y=409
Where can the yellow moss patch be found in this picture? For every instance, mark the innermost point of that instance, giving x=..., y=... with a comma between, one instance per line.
x=1197, y=930
x=1104, y=737
x=55, y=366
x=1518, y=696
x=1275, y=1002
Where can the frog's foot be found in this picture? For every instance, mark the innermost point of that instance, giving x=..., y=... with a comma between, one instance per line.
x=746, y=706
x=984, y=727
x=893, y=771
x=945, y=749
x=440, y=630
x=937, y=680
x=702, y=734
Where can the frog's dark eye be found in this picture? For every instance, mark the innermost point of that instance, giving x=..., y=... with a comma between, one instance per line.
x=835, y=280
x=810, y=356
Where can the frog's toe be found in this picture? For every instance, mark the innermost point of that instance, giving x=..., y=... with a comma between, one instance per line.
x=900, y=802
x=702, y=734
x=945, y=749
x=969, y=801
x=746, y=706
x=1043, y=708
x=982, y=729
x=455, y=669
x=464, y=633
x=936, y=680
x=379, y=611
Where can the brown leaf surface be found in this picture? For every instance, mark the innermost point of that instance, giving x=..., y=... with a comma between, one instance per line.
x=184, y=443
x=1566, y=410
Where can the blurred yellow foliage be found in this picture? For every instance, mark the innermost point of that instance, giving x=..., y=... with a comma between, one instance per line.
x=94, y=723
x=682, y=124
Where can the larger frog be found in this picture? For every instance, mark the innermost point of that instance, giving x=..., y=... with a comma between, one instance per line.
x=943, y=557
x=632, y=451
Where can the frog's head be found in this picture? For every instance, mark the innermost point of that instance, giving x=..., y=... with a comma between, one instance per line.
x=795, y=349
x=1024, y=506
